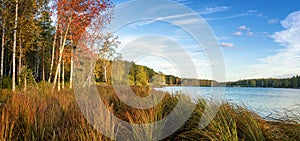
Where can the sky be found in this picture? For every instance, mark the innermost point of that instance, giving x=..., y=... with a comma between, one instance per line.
x=257, y=38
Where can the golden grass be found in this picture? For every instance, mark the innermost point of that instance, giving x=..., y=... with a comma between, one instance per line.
x=39, y=115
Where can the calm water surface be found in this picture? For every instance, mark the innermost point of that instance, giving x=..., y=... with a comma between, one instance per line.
x=273, y=102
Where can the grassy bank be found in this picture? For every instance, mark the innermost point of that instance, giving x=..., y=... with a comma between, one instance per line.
x=40, y=115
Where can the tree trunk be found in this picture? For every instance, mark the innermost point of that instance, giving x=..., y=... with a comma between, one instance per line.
x=59, y=68
x=105, y=74
x=20, y=60
x=2, y=46
x=59, y=76
x=53, y=53
x=60, y=56
x=43, y=55
x=63, y=74
x=37, y=65
x=43, y=62
x=72, y=68
x=14, y=50
x=25, y=81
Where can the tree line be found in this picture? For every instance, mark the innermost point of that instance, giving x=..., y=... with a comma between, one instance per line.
x=293, y=82
x=119, y=71
x=134, y=74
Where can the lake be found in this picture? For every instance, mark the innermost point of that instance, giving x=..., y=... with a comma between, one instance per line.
x=267, y=102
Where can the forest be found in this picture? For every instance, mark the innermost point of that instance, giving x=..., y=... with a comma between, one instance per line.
x=293, y=82
x=143, y=75
x=39, y=39
x=135, y=74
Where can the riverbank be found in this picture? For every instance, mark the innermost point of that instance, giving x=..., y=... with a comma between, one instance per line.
x=40, y=115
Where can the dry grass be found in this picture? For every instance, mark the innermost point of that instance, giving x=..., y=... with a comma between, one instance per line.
x=40, y=115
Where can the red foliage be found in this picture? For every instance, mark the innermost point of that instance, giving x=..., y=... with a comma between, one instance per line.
x=80, y=14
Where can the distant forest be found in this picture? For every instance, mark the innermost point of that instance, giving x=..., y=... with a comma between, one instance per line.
x=143, y=75
x=293, y=82
x=134, y=74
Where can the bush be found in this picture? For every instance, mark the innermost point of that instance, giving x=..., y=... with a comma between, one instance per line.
x=5, y=83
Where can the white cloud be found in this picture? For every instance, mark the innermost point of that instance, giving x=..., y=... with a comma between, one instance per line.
x=187, y=21
x=273, y=21
x=180, y=0
x=209, y=10
x=238, y=33
x=248, y=13
x=228, y=17
x=184, y=19
x=260, y=14
x=286, y=61
x=227, y=45
x=290, y=36
x=243, y=27
x=292, y=21
x=141, y=23
x=252, y=11
x=223, y=38
x=250, y=33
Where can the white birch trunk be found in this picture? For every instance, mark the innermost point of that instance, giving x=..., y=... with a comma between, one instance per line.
x=53, y=54
x=25, y=81
x=105, y=75
x=63, y=74
x=60, y=56
x=72, y=68
x=20, y=60
x=58, y=81
x=14, y=50
x=2, y=47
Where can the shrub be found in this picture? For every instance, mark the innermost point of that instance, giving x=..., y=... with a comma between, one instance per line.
x=5, y=83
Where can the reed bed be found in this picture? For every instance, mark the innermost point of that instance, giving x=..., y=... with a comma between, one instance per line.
x=37, y=114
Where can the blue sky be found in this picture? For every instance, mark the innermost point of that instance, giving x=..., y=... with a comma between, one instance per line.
x=258, y=39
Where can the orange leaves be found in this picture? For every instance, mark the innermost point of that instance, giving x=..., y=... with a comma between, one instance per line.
x=80, y=13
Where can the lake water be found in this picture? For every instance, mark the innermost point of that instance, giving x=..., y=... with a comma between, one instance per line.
x=267, y=102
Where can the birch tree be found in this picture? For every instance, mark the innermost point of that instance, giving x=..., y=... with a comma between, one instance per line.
x=3, y=18
x=107, y=52
x=53, y=54
x=14, y=48
x=73, y=18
